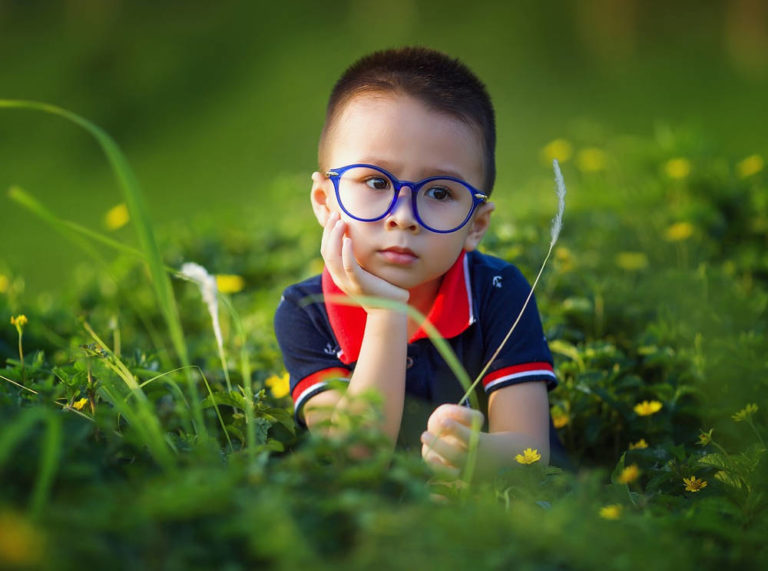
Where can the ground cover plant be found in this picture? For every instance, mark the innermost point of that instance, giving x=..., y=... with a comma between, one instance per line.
x=130, y=437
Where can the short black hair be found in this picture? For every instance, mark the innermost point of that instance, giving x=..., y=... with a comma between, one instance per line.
x=442, y=83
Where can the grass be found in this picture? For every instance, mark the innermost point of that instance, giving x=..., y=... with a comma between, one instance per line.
x=101, y=450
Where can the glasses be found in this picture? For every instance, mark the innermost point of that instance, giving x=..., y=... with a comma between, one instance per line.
x=441, y=204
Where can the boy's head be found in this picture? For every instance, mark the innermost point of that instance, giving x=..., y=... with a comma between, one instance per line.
x=410, y=118
x=441, y=83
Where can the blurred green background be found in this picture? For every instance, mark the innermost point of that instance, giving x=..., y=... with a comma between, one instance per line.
x=218, y=105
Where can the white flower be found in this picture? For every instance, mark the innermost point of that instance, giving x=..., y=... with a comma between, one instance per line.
x=209, y=291
x=557, y=221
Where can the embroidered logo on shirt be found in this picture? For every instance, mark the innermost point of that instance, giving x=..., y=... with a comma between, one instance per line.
x=330, y=349
x=496, y=281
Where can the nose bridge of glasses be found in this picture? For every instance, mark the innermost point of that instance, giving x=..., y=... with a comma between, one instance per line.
x=399, y=198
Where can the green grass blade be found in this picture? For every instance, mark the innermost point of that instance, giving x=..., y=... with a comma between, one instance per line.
x=134, y=200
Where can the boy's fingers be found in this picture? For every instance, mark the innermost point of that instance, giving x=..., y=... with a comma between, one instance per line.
x=448, y=450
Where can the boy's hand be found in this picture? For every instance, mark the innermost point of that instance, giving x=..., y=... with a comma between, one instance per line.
x=446, y=441
x=352, y=279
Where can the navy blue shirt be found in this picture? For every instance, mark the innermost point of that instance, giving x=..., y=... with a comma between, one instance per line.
x=478, y=301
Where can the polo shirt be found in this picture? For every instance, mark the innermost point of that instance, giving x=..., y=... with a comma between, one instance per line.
x=478, y=300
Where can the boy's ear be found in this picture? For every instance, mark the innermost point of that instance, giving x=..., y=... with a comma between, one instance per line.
x=478, y=225
x=321, y=198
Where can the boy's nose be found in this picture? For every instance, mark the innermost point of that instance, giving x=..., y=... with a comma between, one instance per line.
x=402, y=214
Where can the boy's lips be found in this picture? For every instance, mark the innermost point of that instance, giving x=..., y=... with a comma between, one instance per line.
x=398, y=255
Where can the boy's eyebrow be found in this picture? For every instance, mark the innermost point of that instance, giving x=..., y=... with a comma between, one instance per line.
x=391, y=167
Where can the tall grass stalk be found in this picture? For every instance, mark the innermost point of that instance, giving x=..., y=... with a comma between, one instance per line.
x=209, y=291
x=134, y=200
x=557, y=225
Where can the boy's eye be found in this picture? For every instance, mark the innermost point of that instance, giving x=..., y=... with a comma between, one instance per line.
x=377, y=183
x=438, y=193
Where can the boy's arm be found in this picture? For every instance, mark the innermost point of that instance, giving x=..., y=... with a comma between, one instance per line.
x=518, y=419
x=381, y=364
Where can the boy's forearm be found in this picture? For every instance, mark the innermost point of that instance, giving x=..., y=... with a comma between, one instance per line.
x=381, y=367
x=497, y=451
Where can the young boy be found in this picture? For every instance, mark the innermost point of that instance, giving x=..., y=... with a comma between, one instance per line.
x=406, y=169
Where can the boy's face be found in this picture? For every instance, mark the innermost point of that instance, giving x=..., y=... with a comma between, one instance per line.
x=400, y=134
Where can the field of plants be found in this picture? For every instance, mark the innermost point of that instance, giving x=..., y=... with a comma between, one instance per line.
x=145, y=421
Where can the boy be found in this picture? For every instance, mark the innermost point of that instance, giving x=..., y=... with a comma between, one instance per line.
x=407, y=165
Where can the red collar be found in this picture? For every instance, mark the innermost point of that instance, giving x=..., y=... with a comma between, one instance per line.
x=451, y=311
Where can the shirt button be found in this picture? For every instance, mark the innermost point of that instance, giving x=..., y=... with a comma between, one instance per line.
x=408, y=362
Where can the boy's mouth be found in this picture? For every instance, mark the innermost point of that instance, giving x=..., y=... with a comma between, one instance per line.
x=398, y=255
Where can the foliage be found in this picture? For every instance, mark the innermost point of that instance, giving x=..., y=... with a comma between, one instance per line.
x=656, y=320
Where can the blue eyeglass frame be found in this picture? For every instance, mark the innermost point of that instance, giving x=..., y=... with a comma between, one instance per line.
x=478, y=197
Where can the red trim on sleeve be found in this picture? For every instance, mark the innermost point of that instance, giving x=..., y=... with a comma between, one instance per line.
x=318, y=378
x=515, y=372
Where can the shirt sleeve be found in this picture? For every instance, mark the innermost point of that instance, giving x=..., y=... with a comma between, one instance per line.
x=309, y=348
x=525, y=356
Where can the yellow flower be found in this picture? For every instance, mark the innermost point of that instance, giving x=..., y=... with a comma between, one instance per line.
x=677, y=168
x=278, y=385
x=559, y=149
x=611, y=511
x=693, y=484
x=20, y=542
x=629, y=474
x=639, y=445
x=632, y=261
x=529, y=456
x=591, y=160
x=705, y=437
x=229, y=283
x=678, y=232
x=648, y=407
x=559, y=418
x=745, y=412
x=117, y=217
x=753, y=164
x=19, y=320
x=4, y=283
x=79, y=404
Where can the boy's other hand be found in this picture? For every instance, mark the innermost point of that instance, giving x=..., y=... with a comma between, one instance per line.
x=352, y=279
x=446, y=441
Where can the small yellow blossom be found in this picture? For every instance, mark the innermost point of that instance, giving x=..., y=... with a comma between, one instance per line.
x=529, y=456
x=639, y=445
x=230, y=283
x=19, y=320
x=632, y=261
x=611, y=511
x=753, y=164
x=629, y=474
x=648, y=407
x=5, y=283
x=678, y=232
x=677, y=168
x=705, y=437
x=693, y=484
x=79, y=404
x=117, y=217
x=565, y=258
x=559, y=149
x=745, y=412
x=590, y=160
x=20, y=542
x=559, y=418
x=278, y=385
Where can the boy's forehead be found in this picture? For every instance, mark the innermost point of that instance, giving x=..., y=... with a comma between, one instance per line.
x=404, y=133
